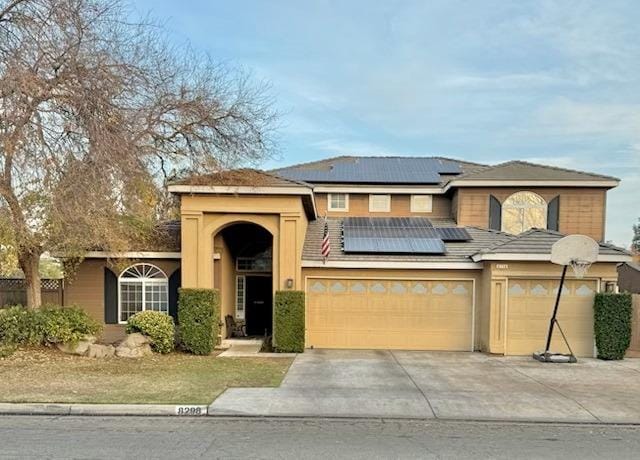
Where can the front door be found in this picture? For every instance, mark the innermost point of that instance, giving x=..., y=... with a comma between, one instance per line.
x=259, y=305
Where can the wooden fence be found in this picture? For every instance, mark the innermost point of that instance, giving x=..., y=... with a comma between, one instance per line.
x=12, y=291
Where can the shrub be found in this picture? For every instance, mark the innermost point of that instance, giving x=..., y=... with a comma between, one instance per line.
x=157, y=326
x=288, y=335
x=199, y=319
x=50, y=324
x=66, y=324
x=7, y=350
x=612, y=324
x=20, y=326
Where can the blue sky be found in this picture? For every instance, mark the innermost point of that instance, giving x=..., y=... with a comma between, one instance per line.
x=554, y=82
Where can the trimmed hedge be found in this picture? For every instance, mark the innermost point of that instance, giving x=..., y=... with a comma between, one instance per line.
x=157, y=326
x=612, y=324
x=288, y=336
x=50, y=324
x=198, y=319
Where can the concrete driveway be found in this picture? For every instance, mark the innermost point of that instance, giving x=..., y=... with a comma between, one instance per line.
x=446, y=385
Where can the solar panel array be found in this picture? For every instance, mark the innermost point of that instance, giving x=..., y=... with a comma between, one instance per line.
x=373, y=170
x=399, y=235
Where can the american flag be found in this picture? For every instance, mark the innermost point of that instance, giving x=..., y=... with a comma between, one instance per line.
x=325, y=248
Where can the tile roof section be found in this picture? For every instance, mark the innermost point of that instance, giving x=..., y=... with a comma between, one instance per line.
x=379, y=170
x=241, y=177
x=522, y=170
x=539, y=241
x=456, y=251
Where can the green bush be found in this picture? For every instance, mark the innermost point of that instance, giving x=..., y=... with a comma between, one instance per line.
x=66, y=324
x=49, y=324
x=20, y=326
x=7, y=350
x=288, y=336
x=612, y=324
x=199, y=319
x=157, y=326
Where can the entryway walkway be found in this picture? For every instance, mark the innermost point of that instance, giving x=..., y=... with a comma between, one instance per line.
x=248, y=348
x=446, y=385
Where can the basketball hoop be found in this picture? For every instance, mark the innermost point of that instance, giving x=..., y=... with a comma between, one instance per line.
x=580, y=267
x=577, y=252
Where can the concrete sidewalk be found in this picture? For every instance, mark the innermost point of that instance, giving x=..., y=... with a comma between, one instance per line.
x=444, y=385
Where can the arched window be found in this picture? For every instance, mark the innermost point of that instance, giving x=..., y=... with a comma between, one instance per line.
x=522, y=211
x=142, y=287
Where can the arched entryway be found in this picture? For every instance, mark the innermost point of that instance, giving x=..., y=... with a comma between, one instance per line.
x=243, y=272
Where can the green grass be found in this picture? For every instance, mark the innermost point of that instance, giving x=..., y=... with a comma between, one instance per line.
x=43, y=375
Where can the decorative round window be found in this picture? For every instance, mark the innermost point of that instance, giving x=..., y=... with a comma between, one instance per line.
x=523, y=211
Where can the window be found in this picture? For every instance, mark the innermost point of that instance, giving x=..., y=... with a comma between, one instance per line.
x=379, y=203
x=421, y=203
x=142, y=287
x=338, y=202
x=253, y=264
x=522, y=211
x=241, y=283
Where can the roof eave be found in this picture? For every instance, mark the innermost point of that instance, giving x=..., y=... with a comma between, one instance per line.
x=605, y=183
x=528, y=257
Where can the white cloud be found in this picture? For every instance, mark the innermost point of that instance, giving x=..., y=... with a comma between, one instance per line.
x=510, y=81
x=342, y=147
x=577, y=118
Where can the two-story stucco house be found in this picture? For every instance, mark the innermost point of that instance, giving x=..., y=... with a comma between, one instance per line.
x=425, y=253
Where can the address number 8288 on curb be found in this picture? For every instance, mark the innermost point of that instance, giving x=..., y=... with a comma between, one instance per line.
x=191, y=410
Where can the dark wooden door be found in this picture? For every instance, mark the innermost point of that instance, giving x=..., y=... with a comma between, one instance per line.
x=259, y=305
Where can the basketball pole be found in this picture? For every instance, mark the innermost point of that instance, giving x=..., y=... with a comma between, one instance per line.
x=552, y=322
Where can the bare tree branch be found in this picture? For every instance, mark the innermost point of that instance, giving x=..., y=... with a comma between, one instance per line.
x=97, y=113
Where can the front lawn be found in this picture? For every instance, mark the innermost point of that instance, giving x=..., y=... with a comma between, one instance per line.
x=43, y=375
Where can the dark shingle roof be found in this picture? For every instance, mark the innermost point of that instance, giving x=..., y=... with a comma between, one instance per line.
x=456, y=251
x=539, y=241
x=522, y=170
x=378, y=170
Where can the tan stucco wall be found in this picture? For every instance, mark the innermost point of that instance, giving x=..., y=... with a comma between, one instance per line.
x=204, y=216
x=86, y=289
x=400, y=206
x=582, y=210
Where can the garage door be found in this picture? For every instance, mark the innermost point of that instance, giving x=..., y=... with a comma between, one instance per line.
x=529, y=308
x=389, y=314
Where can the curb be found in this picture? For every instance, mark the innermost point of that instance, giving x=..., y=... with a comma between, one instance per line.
x=103, y=409
x=171, y=410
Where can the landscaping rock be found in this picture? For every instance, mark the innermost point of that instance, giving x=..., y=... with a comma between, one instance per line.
x=134, y=345
x=138, y=352
x=135, y=340
x=80, y=348
x=100, y=351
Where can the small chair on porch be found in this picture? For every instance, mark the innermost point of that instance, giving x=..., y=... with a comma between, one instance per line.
x=234, y=329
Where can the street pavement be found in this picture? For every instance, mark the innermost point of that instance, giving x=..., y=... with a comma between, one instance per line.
x=25, y=437
x=444, y=385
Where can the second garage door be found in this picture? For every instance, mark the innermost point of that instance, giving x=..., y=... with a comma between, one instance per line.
x=530, y=305
x=389, y=314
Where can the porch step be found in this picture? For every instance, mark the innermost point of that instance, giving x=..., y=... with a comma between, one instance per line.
x=228, y=343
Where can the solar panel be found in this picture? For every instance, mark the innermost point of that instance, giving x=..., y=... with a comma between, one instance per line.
x=394, y=245
x=373, y=170
x=386, y=222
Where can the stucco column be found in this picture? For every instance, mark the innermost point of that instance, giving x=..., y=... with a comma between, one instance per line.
x=191, y=234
